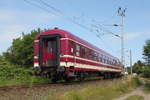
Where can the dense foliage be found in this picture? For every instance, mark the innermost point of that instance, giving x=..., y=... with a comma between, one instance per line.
x=12, y=74
x=16, y=61
x=21, y=51
x=146, y=52
x=146, y=72
x=143, y=68
x=138, y=67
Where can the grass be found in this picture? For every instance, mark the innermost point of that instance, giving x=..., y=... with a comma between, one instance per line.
x=147, y=86
x=105, y=92
x=135, y=97
x=26, y=81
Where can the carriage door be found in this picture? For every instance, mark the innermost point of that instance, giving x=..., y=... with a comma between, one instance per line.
x=50, y=52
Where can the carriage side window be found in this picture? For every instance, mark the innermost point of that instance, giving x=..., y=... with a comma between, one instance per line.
x=83, y=52
x=77, y=50
x=95, y=55
x=98, y=57
x=87, y=53
x=102, y=58
x=105, y=59
x=109, y=60
x=113, y=62
x=90, y=54
x=72, y=47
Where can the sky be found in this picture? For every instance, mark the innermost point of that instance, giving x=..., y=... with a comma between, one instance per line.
x=81, y=18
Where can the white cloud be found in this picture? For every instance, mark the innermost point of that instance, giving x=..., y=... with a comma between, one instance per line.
x=131, y=35
x=11, y=32
x=14, y=22
x=134, y=35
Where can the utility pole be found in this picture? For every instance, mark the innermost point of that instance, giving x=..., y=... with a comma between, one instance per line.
x=121, y=13
x=131, y=61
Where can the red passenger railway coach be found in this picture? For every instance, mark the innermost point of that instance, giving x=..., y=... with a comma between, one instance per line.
x=62, y=55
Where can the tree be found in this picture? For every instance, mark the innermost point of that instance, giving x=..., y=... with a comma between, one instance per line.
x=138, y=67
x=146, y=52
x=146, y=72
x=21, y=51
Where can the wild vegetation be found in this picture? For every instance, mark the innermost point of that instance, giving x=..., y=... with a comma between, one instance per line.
x=147, y=86
x=21, y=51
x=17, y=62
x=15, y=74
x=105, y=92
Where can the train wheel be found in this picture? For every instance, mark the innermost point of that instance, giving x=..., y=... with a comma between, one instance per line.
x=107, y=76
x=81, y=76
x=54, y=78
x=67, y=80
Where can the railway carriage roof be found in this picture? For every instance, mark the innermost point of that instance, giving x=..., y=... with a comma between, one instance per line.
x=65, y=34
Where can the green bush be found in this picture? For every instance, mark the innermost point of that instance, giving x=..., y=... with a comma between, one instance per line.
x=146, y=72
x=13, y=74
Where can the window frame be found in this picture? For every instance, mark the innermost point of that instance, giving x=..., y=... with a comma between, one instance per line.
x=84, y=51
x=72, y=47
x=78, y=48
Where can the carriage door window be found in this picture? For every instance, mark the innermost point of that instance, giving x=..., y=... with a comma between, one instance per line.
x=72, y=47
x=51, y=48
x=77, y=50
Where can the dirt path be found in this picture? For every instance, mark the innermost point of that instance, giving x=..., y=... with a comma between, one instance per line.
x=138, y=91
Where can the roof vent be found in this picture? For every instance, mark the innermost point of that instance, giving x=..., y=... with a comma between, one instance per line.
x=56, y=28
